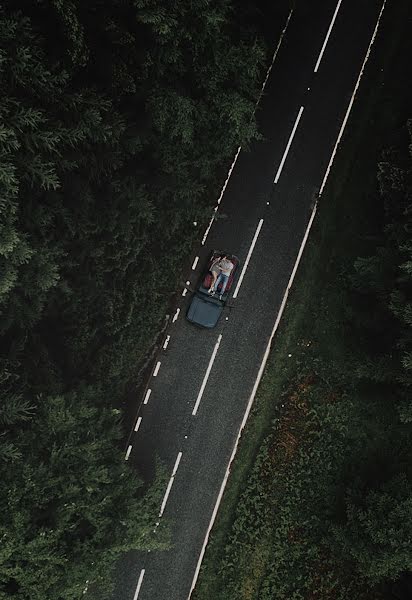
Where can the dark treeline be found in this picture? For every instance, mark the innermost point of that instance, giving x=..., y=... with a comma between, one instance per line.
x=375, y=532
x=117, y=119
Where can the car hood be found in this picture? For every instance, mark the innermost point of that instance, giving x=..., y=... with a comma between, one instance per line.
x=204, y=311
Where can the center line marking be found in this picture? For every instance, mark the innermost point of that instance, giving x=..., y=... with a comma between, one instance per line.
x=176, y=315
x=195, y=263
x=289, y=144
x=166, y=342
x=169, y=485
x=136, y=427
x=255, y=237
x=146, y=398
x=206, y=377
x=315, y=70
x=139, y=584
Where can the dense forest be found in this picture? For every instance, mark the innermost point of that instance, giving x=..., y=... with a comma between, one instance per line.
x=118, y=119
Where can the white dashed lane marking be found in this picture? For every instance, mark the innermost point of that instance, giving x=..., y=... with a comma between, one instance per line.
x=315, y=70
x=206, y=377
x=249, y=254
x=292, y=135
x=169, y=485
x=139, y=584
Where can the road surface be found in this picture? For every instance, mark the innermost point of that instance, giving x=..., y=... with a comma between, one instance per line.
x=203, y=380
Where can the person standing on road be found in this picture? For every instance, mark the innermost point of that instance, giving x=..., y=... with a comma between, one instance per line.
x=224, y=267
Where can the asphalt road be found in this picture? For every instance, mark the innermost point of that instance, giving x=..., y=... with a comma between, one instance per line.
x=200, y=446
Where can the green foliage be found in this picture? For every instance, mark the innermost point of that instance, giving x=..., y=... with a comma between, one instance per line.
x=378, y=529
x=116, y=122
x=70, y=505
x=384, y=279
x=277, y=540
x=14, y=409
x=105, y=178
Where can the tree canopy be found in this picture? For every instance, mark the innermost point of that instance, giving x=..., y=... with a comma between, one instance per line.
x=116, y=122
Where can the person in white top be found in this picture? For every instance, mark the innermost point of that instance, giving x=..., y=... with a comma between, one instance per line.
x=221, y=270
x=215, y=271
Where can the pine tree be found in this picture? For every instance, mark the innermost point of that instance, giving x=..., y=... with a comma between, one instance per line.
x=62, y=500
x=378, y=530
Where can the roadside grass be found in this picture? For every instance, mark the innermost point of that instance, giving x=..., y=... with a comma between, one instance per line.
x=314, y=329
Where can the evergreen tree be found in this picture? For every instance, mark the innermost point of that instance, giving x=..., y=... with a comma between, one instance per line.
x=14, y=410
x=378, y=531
x=383, y=281
x=70, y=505
x=119, y=167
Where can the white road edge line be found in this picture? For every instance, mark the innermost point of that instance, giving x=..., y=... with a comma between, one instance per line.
x=195, y=263
x=282, y=35
x=169, y=485
x=207, y=230
x=255, y=237
x=139, y=584
x=219, y=200
x=315, y=70
x=128, y=452
x=136, y=427
x=147, y=396
x=266, y=354
x=232, y=166
x=365, y=60
x=166, y=342
x=176, y=315
x=157, y=367
x=292, y=135
x=206, y=377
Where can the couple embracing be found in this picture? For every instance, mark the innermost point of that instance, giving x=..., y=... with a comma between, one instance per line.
x=221, y=269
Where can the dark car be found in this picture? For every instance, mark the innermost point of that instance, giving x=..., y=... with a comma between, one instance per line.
x=205, y=309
